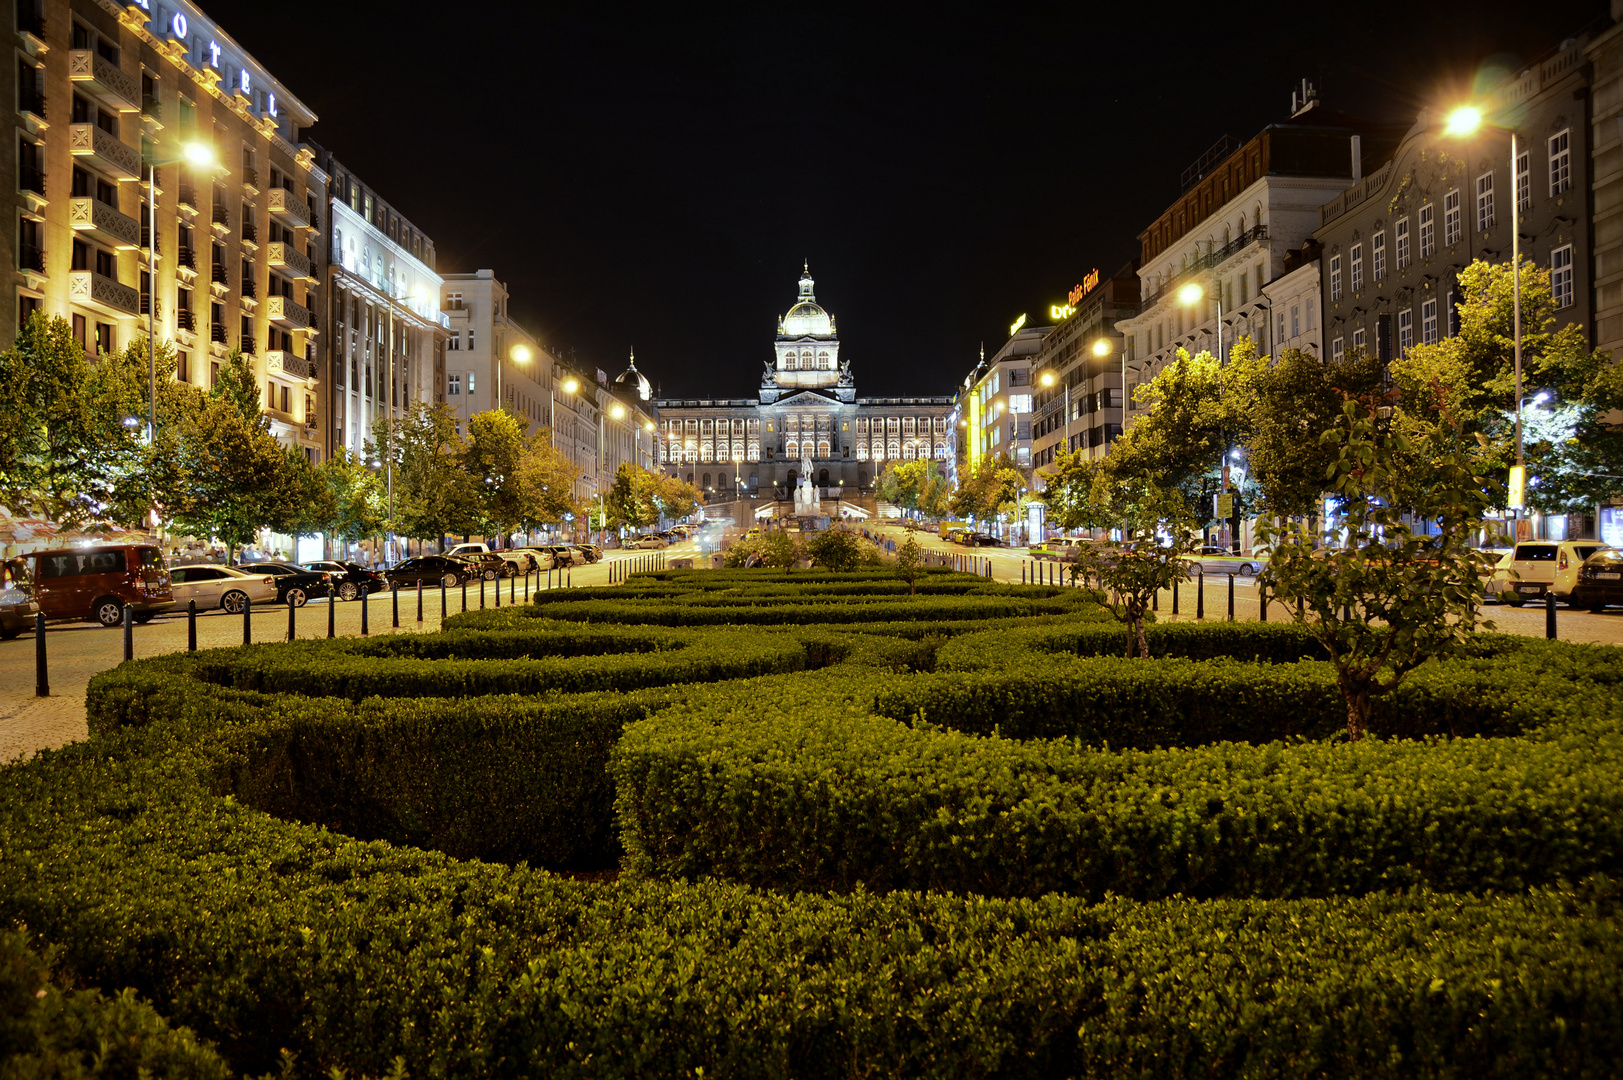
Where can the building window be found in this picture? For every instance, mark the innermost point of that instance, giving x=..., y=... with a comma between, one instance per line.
x=1281, y=327
x=1428, y=322
x=1358, y=338
x=1524, y=180
x=1400, y=233
x=1484, y=202
x=1451, y=218
x=1405, y=330
x=1335, y=277
x=1561, y=276
x=1377, y=246
x=1428, y=232
x=1296, y=321
x=453, y=384
x=1338, y=349
x=1560, y=162
x=1312, y=302
x=104, y=339
x=1357, y=268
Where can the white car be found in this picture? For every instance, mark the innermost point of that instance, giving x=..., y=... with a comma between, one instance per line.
x=649, y=541
x=1534, y=567
x=1218, y=562
x=542, y=560
x=224, y=587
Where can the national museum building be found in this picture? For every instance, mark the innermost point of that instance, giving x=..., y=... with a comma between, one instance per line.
x=807, y=410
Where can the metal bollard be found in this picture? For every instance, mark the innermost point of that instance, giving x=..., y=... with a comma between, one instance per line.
x=442, y=599
x=1231, y=598
x=1549, y=615
x=569, y=579
x=394, y=593
x=191, y=626
x=419, y=599
x=512, y=587
x=526, y=585
x=1200, y=595
x=1155, y=600
x=42, y=678
x=498, y=592
x=366, y=608
x=248, y=623
x=291, y=632
x=332, y=615
x=1262, y=601
x=464, y=594
x=1176, y=589
x=481, y=593
x=129, y=632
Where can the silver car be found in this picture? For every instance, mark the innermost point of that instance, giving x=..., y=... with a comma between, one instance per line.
x=223, y=587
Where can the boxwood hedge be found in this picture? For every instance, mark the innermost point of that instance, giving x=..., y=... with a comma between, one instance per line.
x=840, y=859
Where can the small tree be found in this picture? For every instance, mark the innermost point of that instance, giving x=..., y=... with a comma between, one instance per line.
x=780, y=550
x=1386, y=599
x=358, y=497
x=1131, y=576
x=910, y=564
x=841, y=549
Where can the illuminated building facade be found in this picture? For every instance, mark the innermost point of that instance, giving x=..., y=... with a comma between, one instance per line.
x=1079, y=368
x=997, y=400
x=388, y=333
x=807, y=409
x=102, y=91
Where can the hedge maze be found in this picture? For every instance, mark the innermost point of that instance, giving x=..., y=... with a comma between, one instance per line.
x=749, y=823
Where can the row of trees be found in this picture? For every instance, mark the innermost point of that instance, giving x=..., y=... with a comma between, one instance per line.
x=1198, y=413
x=73, y=450
x=638, y=498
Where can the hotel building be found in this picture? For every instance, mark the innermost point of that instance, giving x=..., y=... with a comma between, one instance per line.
x=119, y=102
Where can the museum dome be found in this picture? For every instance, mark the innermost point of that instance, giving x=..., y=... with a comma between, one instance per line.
x=806, y=318
x=631, y=375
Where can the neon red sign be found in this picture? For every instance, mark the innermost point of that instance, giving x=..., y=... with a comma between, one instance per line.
x=1089, y=283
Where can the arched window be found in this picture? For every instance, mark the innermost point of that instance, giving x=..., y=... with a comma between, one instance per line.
x=706, y=453
x=941, y=451
x=909, y=451
x=706, y=481
x=754, y=480
x=791, y=450
x=822, y=449
x=825, y=362
x=822, y=478
x=862, y=478
x=789, y=361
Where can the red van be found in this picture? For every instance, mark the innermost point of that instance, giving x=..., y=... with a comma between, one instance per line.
x=96, y=582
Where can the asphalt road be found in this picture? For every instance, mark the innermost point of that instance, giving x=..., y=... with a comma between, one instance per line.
x=77, y=651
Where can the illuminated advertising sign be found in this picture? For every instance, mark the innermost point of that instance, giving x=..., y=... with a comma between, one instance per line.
x=1089, y=283
x=1057, y=312
x=1014, y=328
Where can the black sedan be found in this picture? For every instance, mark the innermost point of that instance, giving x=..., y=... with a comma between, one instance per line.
x=294, y=584
x=430, y=570
x=1600, y=581
x=485, y=564
x=352, y=579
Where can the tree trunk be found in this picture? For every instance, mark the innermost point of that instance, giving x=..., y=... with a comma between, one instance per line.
x=1142, y=639
x=1358, y=711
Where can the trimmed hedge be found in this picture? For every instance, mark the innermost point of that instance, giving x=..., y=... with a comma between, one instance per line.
x=1305, y=942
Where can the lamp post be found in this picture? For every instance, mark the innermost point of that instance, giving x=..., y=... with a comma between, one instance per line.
x=1463, y=123
x=1190, y=295
x=520, y=354
x=198, y=154
x=570, y=386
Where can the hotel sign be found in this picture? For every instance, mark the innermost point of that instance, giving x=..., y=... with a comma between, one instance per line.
x=1059, y=312
x=1014, y=327
x=203, y=51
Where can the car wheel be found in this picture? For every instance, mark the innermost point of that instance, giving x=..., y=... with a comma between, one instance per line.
x=296, y=596
x=1248, y=569
x=449, y=581
x=234, y=602
x=1514, y=599
x=490, y=575
x=1597, y=606
x=348, y=591
x=7, y=635
x=108, y=611
x=143, y=617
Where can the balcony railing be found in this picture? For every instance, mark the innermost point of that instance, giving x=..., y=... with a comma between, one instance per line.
x=31, y=179
x=288, y=206
x=146, y=239
x=146, y=302
x=88, y=140
x=187, y=196
x=284, y=310
x=31, y=101
x=106, y=224
x=217, y=333
x=1203, y=262
x=30, y=22
x=186, y=257
x=151, y=107
x=248, y=288
x=283, y=255
x=96, y=290
x=250, y=176
x=31, y=258
x=89, y=68
x=246, y=345
x=186, y=320
x=289, y=363
x=250, y=232
x=222, y=216
x=218, y=275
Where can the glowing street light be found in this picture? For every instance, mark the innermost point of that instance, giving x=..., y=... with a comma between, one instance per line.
x=1464, y=122
x=198, y=154
x=1102, y=347
x=618, y=411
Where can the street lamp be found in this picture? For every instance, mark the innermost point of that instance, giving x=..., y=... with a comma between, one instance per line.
x=1463, y=123
x=520, y=354
x=570, y=386
x=1190, y=295
x=198, y=154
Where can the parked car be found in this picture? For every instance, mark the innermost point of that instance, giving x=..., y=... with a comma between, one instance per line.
x=1059, y=549
x=17, y=603
x=1600, y=581
x=351, y=579
x=432, y=570
x=96, y=582
x=294, y=584
x=486, y=564
x=214, y=585
x=534, y=558
x=562, y=554
x=651, y=540
x=1497, y=557
x=592, y=552
x=1539, y=566
x=1211, y=559
x=475, y=548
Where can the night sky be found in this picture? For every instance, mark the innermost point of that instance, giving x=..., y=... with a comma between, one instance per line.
x=654, y=179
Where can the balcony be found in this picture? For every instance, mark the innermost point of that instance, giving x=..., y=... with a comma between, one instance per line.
x=249, y=290
x=217, y=333
x=88, y=140
x=104, y=223
x=288, y=363
x=186, y=259
x=31, y=101
x=250, y=176
x=31, y=185
x=105, y=80
x=146, y=302
x=221, y=221
x=250, y=233
x=29, y=22
x=284, y=256
x=151, y=108
x=146, y=240
x=186, y=320
x=187, y=199
x=31, y=260
x=287, y=206
x=102, y=293
x=285, y=312
x=246, y=346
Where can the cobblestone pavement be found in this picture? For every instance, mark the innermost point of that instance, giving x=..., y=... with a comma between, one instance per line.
x=76, y=651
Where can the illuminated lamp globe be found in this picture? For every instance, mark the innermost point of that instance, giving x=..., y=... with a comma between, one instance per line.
x=198, y=153
x=1047, y=378
x=1464, y=121
x=1101, y=347
x=618, y=411
x=571, y=385
x=520, y=353
x=1190, y=294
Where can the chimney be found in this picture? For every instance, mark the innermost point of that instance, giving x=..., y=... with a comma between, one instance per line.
x=1357, y=158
